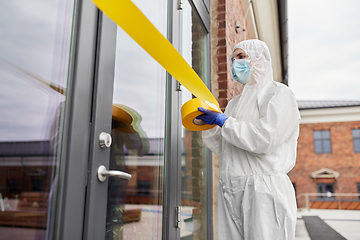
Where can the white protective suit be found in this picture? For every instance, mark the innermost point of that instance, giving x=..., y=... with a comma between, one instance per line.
x=257, y=148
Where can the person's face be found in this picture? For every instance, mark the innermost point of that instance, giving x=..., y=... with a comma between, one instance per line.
x=239, y=54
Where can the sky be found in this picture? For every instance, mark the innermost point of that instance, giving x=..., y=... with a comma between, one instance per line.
x=324, y=61
x=324, y=49
x=34, y=40
x=36, y=46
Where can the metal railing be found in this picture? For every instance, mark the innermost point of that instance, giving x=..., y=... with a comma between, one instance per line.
x=335, y=196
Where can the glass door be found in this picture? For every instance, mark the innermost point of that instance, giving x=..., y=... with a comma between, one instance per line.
x=129, y=112
x=134, y=207
x=35, y=41
x=138, y=150
x=195, y=167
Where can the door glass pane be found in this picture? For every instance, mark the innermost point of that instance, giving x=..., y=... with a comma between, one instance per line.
x=194, y=214
x=34, y=53
x=134, y=209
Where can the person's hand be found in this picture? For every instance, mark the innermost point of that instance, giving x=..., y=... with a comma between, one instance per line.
x=212, y=117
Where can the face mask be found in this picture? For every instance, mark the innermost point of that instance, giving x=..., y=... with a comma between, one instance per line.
x=241, y=70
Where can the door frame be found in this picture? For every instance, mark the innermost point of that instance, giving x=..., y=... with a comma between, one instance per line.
x=69, y=211
x=80, y=209
x=96, y=195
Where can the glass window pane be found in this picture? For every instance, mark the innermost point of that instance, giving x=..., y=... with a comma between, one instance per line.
x=134, y=208
x=356, y=133
x=326, y=134
x=327, y=146
x=317, y=135
x=318, y=146
x=329, y=188
x=207, y=4
x=34, y=52
x=194, y=172
x=357, y=145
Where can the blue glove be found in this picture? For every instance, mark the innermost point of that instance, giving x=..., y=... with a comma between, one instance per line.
x=211, y=117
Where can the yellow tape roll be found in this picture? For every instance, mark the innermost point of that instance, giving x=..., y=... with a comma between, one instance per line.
x=189, y=111
x=133, y=22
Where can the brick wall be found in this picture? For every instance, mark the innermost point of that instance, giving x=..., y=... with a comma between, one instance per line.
x=223, y=36
x=343, y=159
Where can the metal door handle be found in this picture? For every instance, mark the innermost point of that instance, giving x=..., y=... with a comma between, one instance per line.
x=103, y=173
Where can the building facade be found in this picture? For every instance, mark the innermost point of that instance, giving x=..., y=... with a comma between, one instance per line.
x=91, y=144
x=328, y=155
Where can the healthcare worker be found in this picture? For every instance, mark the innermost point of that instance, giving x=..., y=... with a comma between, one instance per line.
x=256, y=140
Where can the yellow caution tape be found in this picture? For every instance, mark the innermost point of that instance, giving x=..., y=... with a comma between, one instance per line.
x=138, y=27
x=189, y=113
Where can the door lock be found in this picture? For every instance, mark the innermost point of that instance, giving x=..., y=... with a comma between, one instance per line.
x=105, y=140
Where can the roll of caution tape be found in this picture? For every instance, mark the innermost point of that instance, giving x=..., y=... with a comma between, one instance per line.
x=189, y=112
x=125, y=14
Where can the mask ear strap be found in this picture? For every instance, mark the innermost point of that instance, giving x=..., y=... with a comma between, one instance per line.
x=230, y=61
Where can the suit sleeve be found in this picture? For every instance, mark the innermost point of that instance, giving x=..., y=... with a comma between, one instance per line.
x=212, y=139
x=278, y=120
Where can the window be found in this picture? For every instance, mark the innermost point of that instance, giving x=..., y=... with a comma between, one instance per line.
x=143, y=188
x=322, y=141
x=356, y=139
x=358, y=188
x=327, y=188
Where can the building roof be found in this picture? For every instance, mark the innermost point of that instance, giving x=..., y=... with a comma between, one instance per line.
x=315, y=104
x=43, y=148
x=21, y=149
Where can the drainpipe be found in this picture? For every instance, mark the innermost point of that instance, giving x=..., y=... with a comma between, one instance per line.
x=283, y=19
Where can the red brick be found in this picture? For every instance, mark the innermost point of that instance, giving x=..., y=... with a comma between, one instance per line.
x=222, y=42
x=222, y=94
x=343, y=159
x=222, y=59
x=222, y=77
x=221, y=16
x=222, y=67
x=222, y=32
x=222, y=24
x=223, y=103
x=221, y=8
x=221, y=51
x=223, y=85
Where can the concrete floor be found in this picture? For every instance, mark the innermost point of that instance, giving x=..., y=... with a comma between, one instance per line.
x=345, y=222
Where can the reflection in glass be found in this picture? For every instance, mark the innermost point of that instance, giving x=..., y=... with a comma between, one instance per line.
x=194, y=185
x=34, y=50
x=134, y=209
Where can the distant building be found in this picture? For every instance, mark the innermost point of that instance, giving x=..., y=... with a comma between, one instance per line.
x=328, y=154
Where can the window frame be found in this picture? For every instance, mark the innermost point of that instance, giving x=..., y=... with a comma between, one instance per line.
x=322, y=140
x=356, y=148
x=323, y=186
